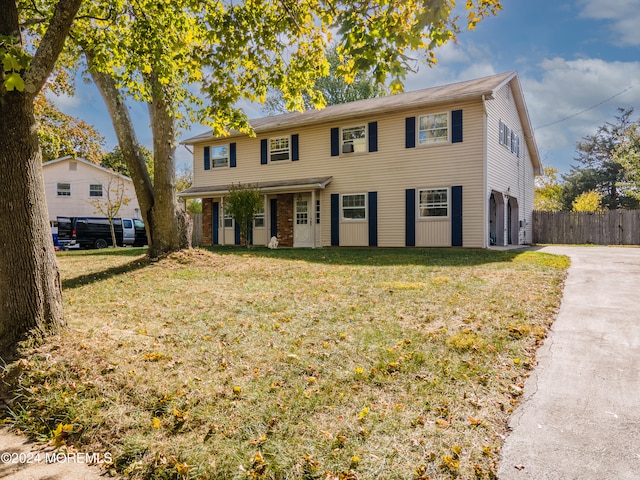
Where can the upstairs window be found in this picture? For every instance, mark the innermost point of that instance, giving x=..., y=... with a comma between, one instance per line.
x=354, y=207
x=433, y=202
x=354, y=139
x=433, y=128
x=63, y=189
x=220, y=156
x=95, y=190
x=279, y=149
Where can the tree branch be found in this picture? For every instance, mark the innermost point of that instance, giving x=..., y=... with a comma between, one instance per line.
x=51, y=45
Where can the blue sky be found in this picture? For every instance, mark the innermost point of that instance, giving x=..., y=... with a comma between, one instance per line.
x=578, y=61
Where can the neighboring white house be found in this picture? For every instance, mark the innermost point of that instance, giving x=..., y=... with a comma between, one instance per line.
x=452, y=165
x=73, y=186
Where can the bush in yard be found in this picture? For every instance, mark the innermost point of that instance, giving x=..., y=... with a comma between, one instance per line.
x=242, y=204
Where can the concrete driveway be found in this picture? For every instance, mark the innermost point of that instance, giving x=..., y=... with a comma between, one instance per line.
x=580, y=416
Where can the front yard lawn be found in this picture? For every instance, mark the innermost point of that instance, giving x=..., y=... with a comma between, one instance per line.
x=289, y=364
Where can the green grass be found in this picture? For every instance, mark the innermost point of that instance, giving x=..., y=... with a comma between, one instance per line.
x=290, y=364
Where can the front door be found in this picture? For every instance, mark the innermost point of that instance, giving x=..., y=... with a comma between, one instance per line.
x=302, y=236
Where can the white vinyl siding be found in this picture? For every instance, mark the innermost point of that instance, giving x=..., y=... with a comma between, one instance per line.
x=509, y=168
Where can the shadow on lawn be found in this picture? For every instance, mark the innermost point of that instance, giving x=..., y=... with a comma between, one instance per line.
x=378, y=256
x=136, y=264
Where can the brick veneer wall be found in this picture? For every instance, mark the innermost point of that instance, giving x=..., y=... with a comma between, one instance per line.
x=207, y=222
x=285, y=219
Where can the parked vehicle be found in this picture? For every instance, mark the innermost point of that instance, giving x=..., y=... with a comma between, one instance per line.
x=95, y=232
x=61, y=228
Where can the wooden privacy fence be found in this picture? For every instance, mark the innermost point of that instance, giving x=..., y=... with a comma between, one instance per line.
x=196, y=236
x=611, y=227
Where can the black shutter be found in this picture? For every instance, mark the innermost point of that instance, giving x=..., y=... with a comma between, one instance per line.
x=456, y=216
x=373, y=136
x=456, y=126
x=232, y=155
x=335, y=142
x=216, y=221
x=373, y=219
x=410, y=217
x=263, y=151
x=335, y=219
x=207, y=158
x=410, y=132
x=294, y=148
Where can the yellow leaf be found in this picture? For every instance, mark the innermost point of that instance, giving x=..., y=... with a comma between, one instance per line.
x=156, y=422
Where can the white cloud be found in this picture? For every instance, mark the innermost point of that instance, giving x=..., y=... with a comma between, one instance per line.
x=625, y=15
x=572, y=98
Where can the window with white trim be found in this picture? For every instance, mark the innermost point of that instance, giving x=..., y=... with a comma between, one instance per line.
x=279, y=149
x=63, y=189
x=433, y=203
x=220, y=156
x=354, y=206
x=433, y=128
x=95, y=190
x=354, y=139
x=227, y=219
x=259, y=218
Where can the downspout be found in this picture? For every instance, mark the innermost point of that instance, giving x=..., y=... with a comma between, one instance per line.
x=485, y=165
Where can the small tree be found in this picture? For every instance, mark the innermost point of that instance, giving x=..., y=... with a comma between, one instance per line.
x=110, y=203
x=242, y=204
x=590, y=201
x=548, y=191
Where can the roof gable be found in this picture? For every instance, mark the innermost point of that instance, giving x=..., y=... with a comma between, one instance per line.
x=69, y=158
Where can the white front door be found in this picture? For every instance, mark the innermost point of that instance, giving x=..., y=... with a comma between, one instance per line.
x=302, y=228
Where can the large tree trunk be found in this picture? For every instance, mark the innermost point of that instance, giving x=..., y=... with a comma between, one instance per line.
x=168, y=227
x=173, y=230
x=30, y=288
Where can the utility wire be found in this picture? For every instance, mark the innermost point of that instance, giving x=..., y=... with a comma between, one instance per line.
x=582, y=111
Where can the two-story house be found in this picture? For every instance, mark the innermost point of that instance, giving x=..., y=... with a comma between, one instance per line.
x=74, y=186
x=452, y=165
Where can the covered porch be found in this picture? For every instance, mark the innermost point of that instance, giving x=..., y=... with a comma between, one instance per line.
x=290, y=212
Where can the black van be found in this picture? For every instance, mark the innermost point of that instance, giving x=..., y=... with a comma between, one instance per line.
x=95, y=232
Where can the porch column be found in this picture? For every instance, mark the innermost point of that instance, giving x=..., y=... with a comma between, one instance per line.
x=267, y=219
x=222, y=234
x=312, y=214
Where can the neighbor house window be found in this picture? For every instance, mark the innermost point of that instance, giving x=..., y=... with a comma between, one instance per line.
x=220, y=156
x=258, y=219
x=433, y=128
x=354, y=139
x=95, y=190
x=354, y=207
x=64, y=189
x=433, y=202
x=279, y=149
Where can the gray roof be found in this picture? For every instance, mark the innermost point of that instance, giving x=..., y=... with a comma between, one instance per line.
x=429, y=96
x=301, y=184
